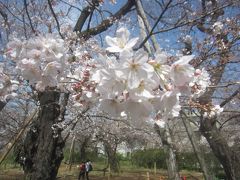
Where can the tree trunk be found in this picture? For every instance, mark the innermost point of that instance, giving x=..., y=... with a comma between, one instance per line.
x=42, y=150
x=197, y=149
x=83, y=146
x=171, y=157
x=71, y=153
x=227, y=157
x=112, y=157
x=113, y=161
x=2, y=105
x=169, y=150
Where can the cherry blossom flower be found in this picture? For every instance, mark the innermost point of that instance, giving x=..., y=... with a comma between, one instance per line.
x=170, y=103
x=138, y=110
x=215, y=111
x=5, y=84
x=181, y=71
x=41, y=60
x=161, y=69
x=30, y=70
x=136, y=69
x=217, y=27
x=121, y=42
x=111, y=106
x=200, y=82
x=127, y=84
x=160, y=123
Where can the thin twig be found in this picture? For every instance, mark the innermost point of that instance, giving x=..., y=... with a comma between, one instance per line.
x=193, y=20
x=29, y=18
x=155, y=25
x=55, y=17
x=71, y=5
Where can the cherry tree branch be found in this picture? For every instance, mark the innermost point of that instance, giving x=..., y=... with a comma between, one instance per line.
x=85, y=13
x=2, y=105
x=155, y=25
x=105, y=24
x=28, y=15
x=55, y=17
x=230, y=98
x=142, y=14
x=193, y=20
x=72, y=6
x=229, y=119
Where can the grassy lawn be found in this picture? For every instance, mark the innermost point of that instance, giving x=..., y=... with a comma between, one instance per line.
x=127, y=171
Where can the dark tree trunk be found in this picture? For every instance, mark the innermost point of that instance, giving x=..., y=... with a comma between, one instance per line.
x=42, y=150
x=2, y=105
x=227, y=157
x=112, y=157
x=83, y=147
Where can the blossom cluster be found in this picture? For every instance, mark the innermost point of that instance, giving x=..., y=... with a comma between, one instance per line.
x=41, y=60
x=132, y=83
x=124, y=82
x=214, y=111
x=7, y=86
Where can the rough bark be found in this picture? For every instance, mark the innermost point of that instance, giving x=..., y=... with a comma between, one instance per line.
x=172, y=166
x=143, y=16
x=197, y=149
x=143, y=34
x=105, y=24
x=112, y=157
x=85, y=14
x=71, y=153
x=83, y=146
x=15, y=139
x=227, y=157
x=42, y=148
x=2, y=105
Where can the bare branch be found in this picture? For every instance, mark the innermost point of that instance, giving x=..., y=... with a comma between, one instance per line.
x=70, y=5
x=105, y=24
x=229, y=119
x=155, y=25
x=193, y=20
x=86, y=12
x=55, y=17
x=142, y=14
x=230, y=98
x=29, y=18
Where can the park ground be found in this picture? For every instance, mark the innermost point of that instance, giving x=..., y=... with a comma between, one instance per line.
x=127, y=172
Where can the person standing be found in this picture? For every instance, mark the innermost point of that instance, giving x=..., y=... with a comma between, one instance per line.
x=88, y=168
x=82, y=171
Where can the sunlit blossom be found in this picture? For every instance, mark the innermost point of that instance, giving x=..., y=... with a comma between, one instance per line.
x=121, y=42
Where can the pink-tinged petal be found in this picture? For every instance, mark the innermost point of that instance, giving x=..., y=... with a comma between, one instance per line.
x=147, y=94
x=138, y=110
x=147, y=67
x=161, y=57
x=131, y=43
x=142, y=73
x=111, y=106
x=133, y=80
x=111, y=41
x=123, y=35
x=161, y=123
x=184, y=60
x=114, y=49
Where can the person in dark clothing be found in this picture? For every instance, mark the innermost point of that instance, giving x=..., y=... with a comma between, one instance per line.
x=89, y=168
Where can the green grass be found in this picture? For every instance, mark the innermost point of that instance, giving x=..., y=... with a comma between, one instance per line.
x=127, y=171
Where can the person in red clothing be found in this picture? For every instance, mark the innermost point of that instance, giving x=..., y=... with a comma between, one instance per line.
x=82, y=171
